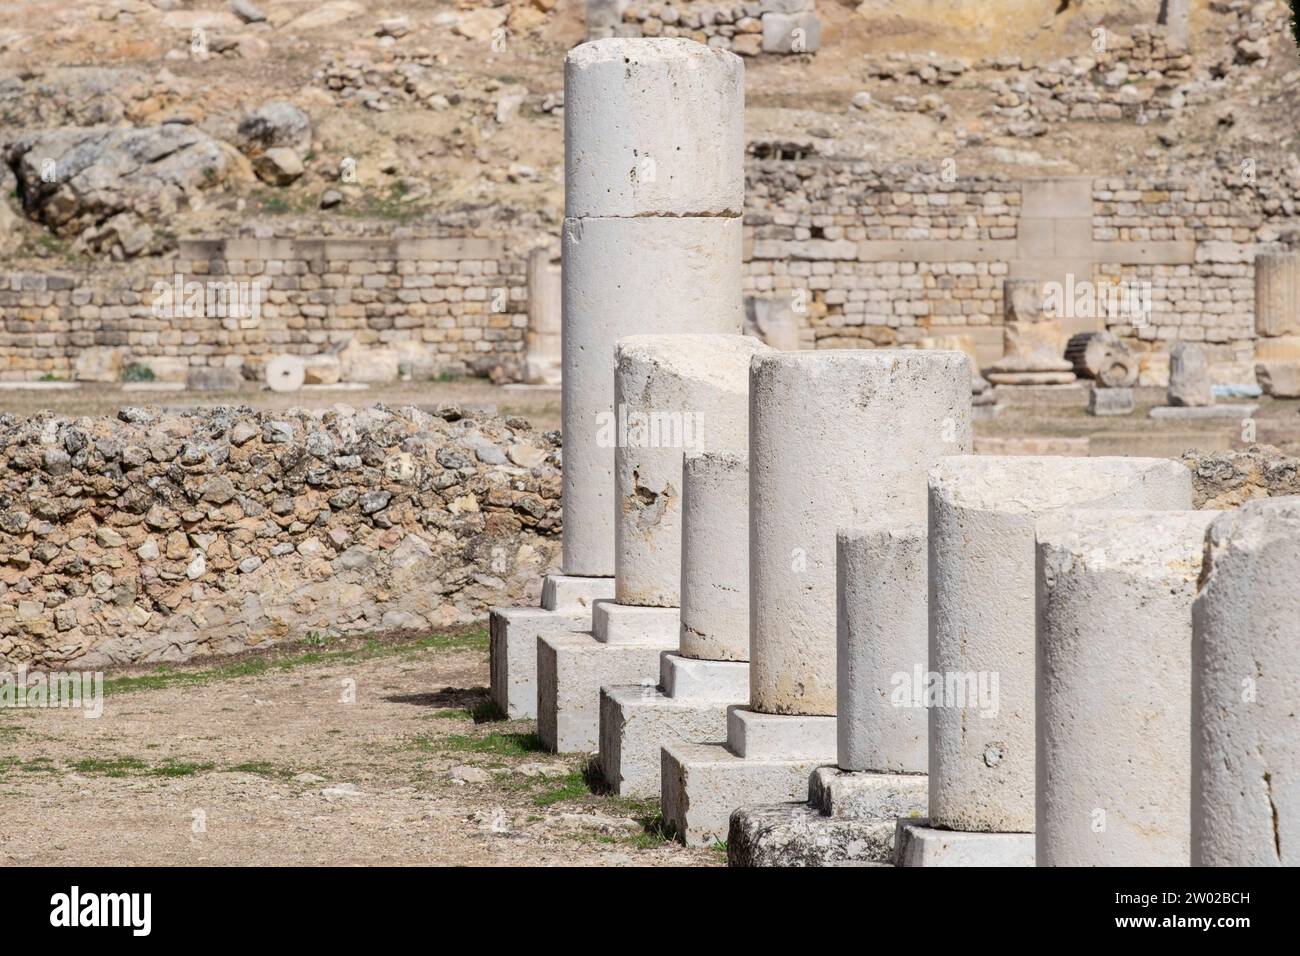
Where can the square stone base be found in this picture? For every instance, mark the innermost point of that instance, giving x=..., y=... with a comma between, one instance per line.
x=566, y=607
x=781, y=736
x=613, y=623
x=703, y=783
x=512, y=653
x=796, y=834
x=571, y=670
x=850, y=817
x=917, y=844
x=689, y=705
x=869, y=796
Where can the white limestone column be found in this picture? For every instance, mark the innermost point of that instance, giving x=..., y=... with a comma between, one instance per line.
x=981, y=534
x=715, y=555
x=836, y=439
x=653, y=127
x=1114, y=674
x=1246, y=690
x=654, y=173
x=881, y=637
x=672, y=393
x=1277, y=293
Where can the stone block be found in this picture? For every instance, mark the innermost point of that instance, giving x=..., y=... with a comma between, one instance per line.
x=1110, y=401
x=916, y=844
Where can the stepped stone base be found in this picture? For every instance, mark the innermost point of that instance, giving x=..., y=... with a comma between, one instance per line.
x=689, y=706
x=917, y=844
x=849, y=817
x=567, y=603
x=571, y=670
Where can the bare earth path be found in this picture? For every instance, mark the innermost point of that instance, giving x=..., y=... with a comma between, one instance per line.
x=261, y=761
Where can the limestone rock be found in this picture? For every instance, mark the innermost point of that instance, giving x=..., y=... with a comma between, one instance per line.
x=1189, y=376
x=279, y=166
x=275, y=124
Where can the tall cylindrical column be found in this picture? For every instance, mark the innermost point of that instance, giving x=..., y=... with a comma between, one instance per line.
x=654, y=186
x=981, y=535
x=836, y=439
x=715, y=556
x=672, y=393
x=1277, y=293
x=881, y=637
x=1246, y=690
x=1114, y=673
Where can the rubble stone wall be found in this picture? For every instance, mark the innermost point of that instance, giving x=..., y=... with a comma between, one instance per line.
x=160, y=536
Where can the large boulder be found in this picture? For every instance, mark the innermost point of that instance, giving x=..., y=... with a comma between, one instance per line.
x=78, y=180
x=277, y=124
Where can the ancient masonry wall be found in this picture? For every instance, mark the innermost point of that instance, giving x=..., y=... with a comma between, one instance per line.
x=421, y=306
x=844, y=254
x=159, y=536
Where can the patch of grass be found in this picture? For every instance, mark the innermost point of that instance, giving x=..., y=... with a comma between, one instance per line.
x=719, y=846
x=164, y=676
x=178, y=768
x=135, y=372
x=499, y=744
x=110, y=766
x=263, y=768
x=487, y=712
x=461, y=714
x=572, y=786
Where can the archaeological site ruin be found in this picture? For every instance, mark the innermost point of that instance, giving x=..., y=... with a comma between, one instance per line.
x=782, y=434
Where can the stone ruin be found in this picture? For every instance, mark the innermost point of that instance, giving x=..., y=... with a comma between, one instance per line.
x=825, y=631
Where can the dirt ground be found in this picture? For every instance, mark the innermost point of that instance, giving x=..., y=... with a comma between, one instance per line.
x=260, y=761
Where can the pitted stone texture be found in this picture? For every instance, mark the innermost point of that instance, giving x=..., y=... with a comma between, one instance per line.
x=677, y=394
x=918, y=844
x=637, y=721
x=715, y=557
x=871, y=797
x=567, y=593
x=1114, y=604
x=703, y=783
x=795, y=834
x=571, y=670
x=881, y=633
x=628, y=277
x=837, y=439
x=653, y=127
x=719, y=681
x=1245, y=675
x=512, y=654
x=613, y=623
x=751, y=733
x=981, y=537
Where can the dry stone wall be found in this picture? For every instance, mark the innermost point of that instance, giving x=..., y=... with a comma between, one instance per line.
x=159, y=536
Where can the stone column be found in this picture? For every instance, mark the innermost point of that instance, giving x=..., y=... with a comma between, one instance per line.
x=1277, y=293
x=1245, y=687
x=542, y=362
x=672, y=393
x=1114, y=605
x=715, y=557
x=654, y=188
x=981, y=537
x=836, y=438
x=882, y=644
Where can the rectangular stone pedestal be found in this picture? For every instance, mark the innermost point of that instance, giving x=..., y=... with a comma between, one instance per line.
x=917, y=844
x=850, y=817
x=571, y=670
x=767, y=759
x=689, y=705
x=566, y=607
x=613, y=623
